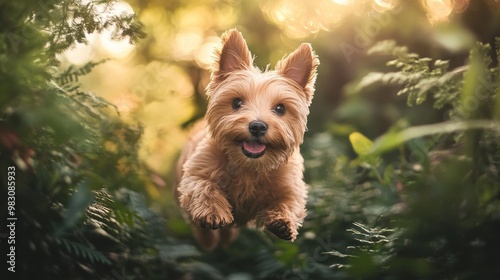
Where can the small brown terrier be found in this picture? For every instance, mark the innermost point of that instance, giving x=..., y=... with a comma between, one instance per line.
x=242, y=165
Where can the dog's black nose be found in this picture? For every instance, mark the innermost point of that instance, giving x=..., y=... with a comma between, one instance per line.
x=257, y=128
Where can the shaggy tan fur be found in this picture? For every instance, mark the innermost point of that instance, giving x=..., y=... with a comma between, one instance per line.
x=242, y=164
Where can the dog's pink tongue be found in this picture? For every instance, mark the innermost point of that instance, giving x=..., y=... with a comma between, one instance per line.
x=254, y=147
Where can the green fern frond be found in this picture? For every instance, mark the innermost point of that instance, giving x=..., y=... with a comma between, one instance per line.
x=83, y=251
x=417, y=76
x=337, y=254
x=122, y=214
x=73, y=73
x=368, y=241
x=72, y=20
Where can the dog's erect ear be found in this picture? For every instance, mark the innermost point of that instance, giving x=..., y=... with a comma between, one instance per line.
x=300, y=66
x=234, y=54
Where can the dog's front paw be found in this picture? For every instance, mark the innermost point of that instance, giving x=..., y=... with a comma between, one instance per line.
x=214, y=219
x=213, y=222
x=282, y=229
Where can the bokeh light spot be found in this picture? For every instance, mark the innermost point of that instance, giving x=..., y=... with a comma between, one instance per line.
x=438, y=10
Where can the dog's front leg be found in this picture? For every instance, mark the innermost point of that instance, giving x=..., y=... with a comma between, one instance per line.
x=281, y=223
x=286, y=214
x=204, y=202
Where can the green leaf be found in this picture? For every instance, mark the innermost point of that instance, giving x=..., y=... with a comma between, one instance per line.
x=360, y=143
x=84, y=251
x=77, y=206
x=394, y=139
x=388, y=175
x=472, y=88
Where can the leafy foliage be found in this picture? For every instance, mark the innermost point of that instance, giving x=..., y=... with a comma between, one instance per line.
x=448, y=192
x=418, y=76
x=73, y=156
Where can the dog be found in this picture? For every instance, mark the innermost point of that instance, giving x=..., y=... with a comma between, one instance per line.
x=242, y=164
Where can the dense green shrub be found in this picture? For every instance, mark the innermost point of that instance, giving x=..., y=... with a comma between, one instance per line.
x=445, y=180
x=73, y=161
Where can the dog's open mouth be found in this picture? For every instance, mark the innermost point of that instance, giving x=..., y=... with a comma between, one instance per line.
x=253, y=148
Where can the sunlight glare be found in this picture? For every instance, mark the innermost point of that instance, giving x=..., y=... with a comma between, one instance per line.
x=460, y=6
x=125, y=102
x=342, y=2
x=386, y=4
x=81, y=53
x=116, y=48
x=205, y=55
x=102, y=44
x=438, y=10
x=187, y=43
x=301, y=18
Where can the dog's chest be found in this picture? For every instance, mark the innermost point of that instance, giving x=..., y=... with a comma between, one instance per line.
x=247, y=194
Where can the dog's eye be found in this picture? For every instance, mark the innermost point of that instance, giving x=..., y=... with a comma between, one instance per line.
x=237, y=103
x=279, y=109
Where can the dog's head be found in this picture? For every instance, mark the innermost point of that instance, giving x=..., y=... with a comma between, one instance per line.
x=259, y=118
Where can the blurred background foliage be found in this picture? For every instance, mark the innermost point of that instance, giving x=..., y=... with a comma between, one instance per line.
x=97, y=98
